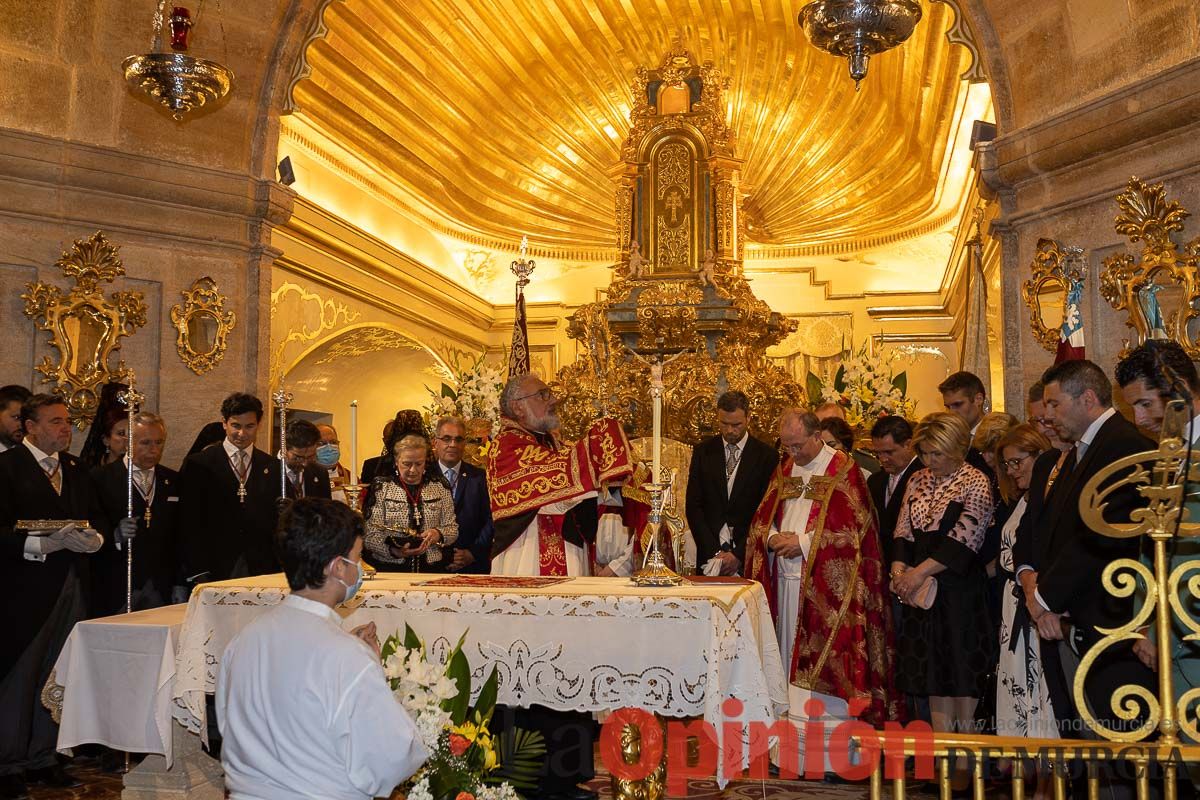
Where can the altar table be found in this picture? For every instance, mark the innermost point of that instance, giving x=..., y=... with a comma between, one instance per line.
x=585, y=644
x=119, y=674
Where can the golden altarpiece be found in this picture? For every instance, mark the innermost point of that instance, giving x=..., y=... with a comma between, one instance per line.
x=678, y=292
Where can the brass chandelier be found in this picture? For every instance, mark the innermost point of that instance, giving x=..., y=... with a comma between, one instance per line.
x=858, y=29
x=180, y=82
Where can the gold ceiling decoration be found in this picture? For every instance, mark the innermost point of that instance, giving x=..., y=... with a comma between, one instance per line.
x=1160, y=290
x=492, y=117
x=689, y=300
x=85, y=327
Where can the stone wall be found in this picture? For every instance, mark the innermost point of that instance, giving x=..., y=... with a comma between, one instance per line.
x=79, y=153
x=1059, y=179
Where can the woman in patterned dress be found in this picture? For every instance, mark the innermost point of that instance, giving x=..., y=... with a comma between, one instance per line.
x=944, y=651
x=409, y=503
x=1022, y=699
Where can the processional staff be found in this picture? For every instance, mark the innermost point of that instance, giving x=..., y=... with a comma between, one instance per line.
x=282, y=399
x=132, y=399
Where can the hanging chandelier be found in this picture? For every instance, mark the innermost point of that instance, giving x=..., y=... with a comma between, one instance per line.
x=858, y=29
x=180, y=82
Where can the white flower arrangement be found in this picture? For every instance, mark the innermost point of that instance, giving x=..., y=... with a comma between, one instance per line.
x=464, y=762
x=472, y=392
x=866, y=386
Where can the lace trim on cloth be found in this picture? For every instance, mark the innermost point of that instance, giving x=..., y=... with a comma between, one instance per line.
x=52, y=698
x=674, y=656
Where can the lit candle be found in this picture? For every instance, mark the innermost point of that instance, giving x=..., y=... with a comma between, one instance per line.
x=354, y=441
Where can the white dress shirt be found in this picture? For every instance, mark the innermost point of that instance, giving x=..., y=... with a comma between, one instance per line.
x=36, y=546
x=1081, y=446
x=305, y=711
x=725, y=535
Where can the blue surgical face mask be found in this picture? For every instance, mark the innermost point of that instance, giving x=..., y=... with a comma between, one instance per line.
x=351, y=588
x=328, y=455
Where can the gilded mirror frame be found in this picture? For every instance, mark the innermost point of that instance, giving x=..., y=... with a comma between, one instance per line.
x=1056, y=268
x=85, y=327
x=1148, y=216
x=202, y=299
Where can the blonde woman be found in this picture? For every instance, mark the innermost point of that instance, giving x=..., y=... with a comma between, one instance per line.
x=946, y=647
x=989, y=432
x=410, y=517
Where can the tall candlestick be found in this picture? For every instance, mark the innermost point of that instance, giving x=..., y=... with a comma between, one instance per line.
x=354, y=441
x=656, y=392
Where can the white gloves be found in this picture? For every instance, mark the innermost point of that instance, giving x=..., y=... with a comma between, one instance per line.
x=73, y=538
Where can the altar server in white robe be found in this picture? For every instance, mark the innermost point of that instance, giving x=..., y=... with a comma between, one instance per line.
x=303, y=706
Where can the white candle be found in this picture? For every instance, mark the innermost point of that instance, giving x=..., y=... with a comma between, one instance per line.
x=656, y=387
x=354, y=441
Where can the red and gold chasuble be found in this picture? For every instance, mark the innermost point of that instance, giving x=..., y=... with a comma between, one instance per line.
x=525, y=473
x=845, y=645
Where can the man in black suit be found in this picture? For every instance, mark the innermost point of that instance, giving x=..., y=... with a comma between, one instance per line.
x=728, y=477
x=12, y=397
x=44, y=577
x=372, y=465
x=963, y=394
x=468, y=486
x=153, y=526
x=228, y=494
x=891, y=438
x=304, y=477
x=1064, y=594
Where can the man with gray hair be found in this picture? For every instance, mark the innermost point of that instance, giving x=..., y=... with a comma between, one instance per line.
x=152, y=526
x=543, y=497
x=468, y=488
x=542, y=490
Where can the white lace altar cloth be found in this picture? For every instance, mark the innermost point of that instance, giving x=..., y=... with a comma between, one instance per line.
x=587, y=644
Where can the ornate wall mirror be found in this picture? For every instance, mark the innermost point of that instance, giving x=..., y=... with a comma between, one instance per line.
x=203, y=325
x=1056, y=271
x=1160, y=290
x=85, y=327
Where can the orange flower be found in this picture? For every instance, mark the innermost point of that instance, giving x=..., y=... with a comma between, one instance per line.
x=458, y=746
x=465, y=796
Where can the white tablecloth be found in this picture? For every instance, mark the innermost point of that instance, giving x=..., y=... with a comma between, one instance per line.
x=586, y=644
x=116, y=679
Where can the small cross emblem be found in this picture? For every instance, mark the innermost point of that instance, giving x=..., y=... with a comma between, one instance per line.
x=674, y=203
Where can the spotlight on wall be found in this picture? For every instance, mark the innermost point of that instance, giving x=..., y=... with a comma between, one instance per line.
x=982, y=132
x=287, y=175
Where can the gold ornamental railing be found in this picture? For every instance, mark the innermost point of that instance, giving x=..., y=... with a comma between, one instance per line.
x=1150, y=763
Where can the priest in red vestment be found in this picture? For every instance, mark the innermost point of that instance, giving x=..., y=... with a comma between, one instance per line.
x=813, y=544
x=543, y=491
x=543, y=495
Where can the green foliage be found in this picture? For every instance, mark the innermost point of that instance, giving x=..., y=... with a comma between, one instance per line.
x=521, y=754
x=815, y=388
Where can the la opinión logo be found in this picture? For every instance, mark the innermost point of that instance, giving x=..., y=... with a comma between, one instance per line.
x=854, y=747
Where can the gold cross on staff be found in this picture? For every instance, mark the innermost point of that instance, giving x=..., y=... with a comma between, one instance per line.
x=674, y=203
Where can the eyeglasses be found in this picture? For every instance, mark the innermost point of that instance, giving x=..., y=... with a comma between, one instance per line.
x=1011, y=464
x=543, y=394
x=451, y=439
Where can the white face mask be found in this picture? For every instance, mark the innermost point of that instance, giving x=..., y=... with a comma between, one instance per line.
x=351, y=588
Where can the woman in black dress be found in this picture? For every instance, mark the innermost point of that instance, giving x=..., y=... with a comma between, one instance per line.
x=946, y=649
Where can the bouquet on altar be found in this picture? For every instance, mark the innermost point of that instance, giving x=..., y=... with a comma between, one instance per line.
x=867, y=386
x=467, y=761
x=471, y=392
